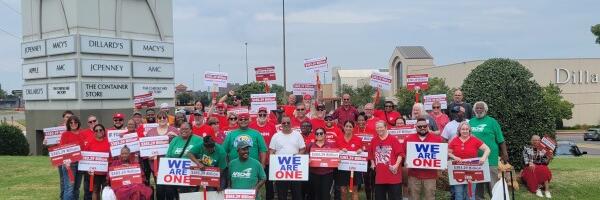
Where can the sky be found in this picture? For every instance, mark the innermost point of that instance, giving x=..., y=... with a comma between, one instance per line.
x=353, y=34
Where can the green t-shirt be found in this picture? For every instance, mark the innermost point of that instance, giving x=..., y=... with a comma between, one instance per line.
x=251, y=136
x=488, y=130
x=215, y=159
x=176, y=146
x=245, y=175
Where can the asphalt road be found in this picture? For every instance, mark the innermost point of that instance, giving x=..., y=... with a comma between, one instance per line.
x=592, y=147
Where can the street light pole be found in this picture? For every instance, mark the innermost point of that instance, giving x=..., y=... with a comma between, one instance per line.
x=246, y=44
x=284, y=69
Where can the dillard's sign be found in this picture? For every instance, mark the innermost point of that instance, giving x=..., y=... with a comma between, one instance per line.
x=564, y=76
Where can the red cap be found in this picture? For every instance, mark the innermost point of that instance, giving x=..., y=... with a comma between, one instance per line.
x=244, y=116
x=262, y=109
x=307, y=97
x=221, y=105
x=119, y=115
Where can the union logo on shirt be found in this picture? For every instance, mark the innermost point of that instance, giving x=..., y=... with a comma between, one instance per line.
x=207, y=160
x=479, y=128
x=242, y=174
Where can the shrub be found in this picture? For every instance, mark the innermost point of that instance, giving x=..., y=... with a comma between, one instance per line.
x=514, y=99
x=12, y=141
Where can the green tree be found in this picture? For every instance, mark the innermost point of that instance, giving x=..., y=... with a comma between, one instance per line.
x=406, y=98
x=514, y=99
x=258, y=88
x=560, y=108
x=2, y=93
x=184, y=98
x=596, y=31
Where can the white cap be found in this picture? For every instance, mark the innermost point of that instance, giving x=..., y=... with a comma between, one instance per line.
x=164, y=105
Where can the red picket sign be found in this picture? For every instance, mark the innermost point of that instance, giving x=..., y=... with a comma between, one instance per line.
x=144, y=101
x=207, y=177
x=324, y=157
x=125, y=175
x=62, y=154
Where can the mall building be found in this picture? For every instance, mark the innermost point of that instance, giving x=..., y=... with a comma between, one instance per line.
x=579, y=78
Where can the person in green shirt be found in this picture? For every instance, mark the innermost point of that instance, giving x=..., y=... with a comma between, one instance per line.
x=488, y=130
x=210, y=155
x=258, y=148
x=245, y=172
x=177, y=145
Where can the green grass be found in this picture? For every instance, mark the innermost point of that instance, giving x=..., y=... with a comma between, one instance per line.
x=33, y=177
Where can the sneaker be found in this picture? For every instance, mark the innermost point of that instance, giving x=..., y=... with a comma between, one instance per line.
x=539, y=193
x=547, y=193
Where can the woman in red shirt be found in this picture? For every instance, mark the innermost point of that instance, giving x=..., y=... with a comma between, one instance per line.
x=465, y=147
x=231, y=124
x=97, y=143
x=71, y=136
x=218, y=135
x=348, y=142
x=320, y=178
x=386, y=156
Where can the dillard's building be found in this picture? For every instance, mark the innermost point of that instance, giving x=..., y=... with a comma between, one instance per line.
x=579, y=78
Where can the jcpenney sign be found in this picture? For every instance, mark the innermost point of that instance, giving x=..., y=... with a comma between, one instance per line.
x=564, y=76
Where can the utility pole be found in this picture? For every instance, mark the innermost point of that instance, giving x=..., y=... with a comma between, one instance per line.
x=246, y=44
x=284, y=69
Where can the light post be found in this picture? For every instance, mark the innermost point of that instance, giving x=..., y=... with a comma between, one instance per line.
x=284, y=69
x=246, y=45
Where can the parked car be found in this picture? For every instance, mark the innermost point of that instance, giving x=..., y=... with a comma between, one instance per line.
x=568, y=148
x=592, y=134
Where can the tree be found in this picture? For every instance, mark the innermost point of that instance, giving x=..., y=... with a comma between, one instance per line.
x=560, y=109
x=514, y=99
x=406, y=98
x=184, y=98
x=257, y=88
x=596, y=31
x=2, y=93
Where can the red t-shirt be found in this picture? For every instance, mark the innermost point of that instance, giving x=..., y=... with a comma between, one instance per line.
x=331, y=134
x=86, y=134
x=318, y=123
x=267, y=131
x=467, y=149
x=289, y=110
x=391, y=116
x=352, y=145
x=385, y=154
x=371, y=123
x=365, y=135
x=296, y=123
x=203, y=131
x=227, y=129
x=98, y=146
x=69, y=137
x=223, y=120
x=422, y=173
x=440, y=120
x=308, y=138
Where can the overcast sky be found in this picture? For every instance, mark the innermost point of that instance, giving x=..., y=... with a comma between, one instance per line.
x=353, y=34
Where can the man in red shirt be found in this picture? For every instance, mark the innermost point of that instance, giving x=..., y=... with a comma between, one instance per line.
x=332, y=132
x=267, y=130
x=89, y=132
x=371, y=119
x=347, y=112
x=118, y=122
x=221, y=115
x=385, y=154
x=422, y=180
x=199, y=128
x=300, y=116
x=389, y=113
x=318, y=120
x=291, y=106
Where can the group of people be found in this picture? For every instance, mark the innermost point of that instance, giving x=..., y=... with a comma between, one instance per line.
x=239, y=144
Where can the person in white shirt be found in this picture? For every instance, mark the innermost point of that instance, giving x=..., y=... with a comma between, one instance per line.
x=287, y=141
x=451, y=129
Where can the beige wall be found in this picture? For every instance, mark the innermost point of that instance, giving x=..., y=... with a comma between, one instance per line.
x=585, y=96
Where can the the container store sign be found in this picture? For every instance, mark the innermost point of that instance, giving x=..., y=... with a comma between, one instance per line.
x=105, y=90
x=158, y=90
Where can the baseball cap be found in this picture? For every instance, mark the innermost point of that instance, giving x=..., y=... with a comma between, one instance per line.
x=137, y=113
x=164, y=105
x=119, y=116
x=237, y=97
x=243, y=144
x=307, y=97
x=198, y=113
x=244, y=116
x=328, y=117
x=262, y=109
x=221, y=105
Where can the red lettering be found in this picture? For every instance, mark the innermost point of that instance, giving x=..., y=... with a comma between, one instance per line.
x=437, y=163
x=427, y=163
x=288, y=174
x=168, y=178
x=178, y=179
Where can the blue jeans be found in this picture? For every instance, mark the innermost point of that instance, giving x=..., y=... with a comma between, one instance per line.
x=60, y=177
x=460, y=192
x=70, y=190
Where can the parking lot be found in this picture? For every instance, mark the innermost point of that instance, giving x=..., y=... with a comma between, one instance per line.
x=592, y=147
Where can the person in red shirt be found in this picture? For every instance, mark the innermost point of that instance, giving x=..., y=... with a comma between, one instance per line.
x=317, y=119
x=97, y=143
x=89, y=132
x=465, y=146
x=389, y=113
x=198, y=107
x=71, y=136
x=137, y=118
x=332, y=132
x=267, y=130
x=441, y=119
x=348, y=142
x=385, y=154
x=231, y=125
x=366, y=135
x=219, y=136
x=221, y=115
x=306, y=132
x=200, y=128
x=320, y=178
x=422, y=180
x=371, y=119
x=291, y=106
x=300, y=116
x=118, y=122
x=346, y=112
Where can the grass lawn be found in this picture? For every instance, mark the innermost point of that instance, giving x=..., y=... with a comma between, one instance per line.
x=34, y=178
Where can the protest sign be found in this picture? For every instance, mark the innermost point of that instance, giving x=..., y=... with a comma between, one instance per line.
x=468, y=169
x=125, y=175
x=303, y=89
x=208, y=177
x=113, y=135
x=265, y=73
x=143, y=101
x=417, y=81
x=351, y=161
x=429, y=99
x=267, y=100
x=324, y=157
x=174, y=171
x=93, y=161
x=365, y=138
x=131, y=140
x=414, y=122
x=238, y=110
x=149, y=126
x=240, y=194
x=62, y=154
x=380, y=80
x=154, y=146
x=288, y=167
x=427, y=155
x=315, y=64
x=52, y=135
x=215, y=78
x=549, y=145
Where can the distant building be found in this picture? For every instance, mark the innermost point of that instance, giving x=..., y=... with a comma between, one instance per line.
x=181, y=88
x=352, y=77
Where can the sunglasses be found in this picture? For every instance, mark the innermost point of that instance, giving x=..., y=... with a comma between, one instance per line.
x=436, y=107
x=285, y=123
x=118, y=120
x=319, y=133
x=99, y=130
x=422, y=126
x=243, y=119
x=232, y=119
x=389, y=106
x=73, y=122
x=212, y=123
x=299, y=109
x=262, y=115
x=346, y=99
x=320, y=109
x=161, y=118
x=92, y=121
